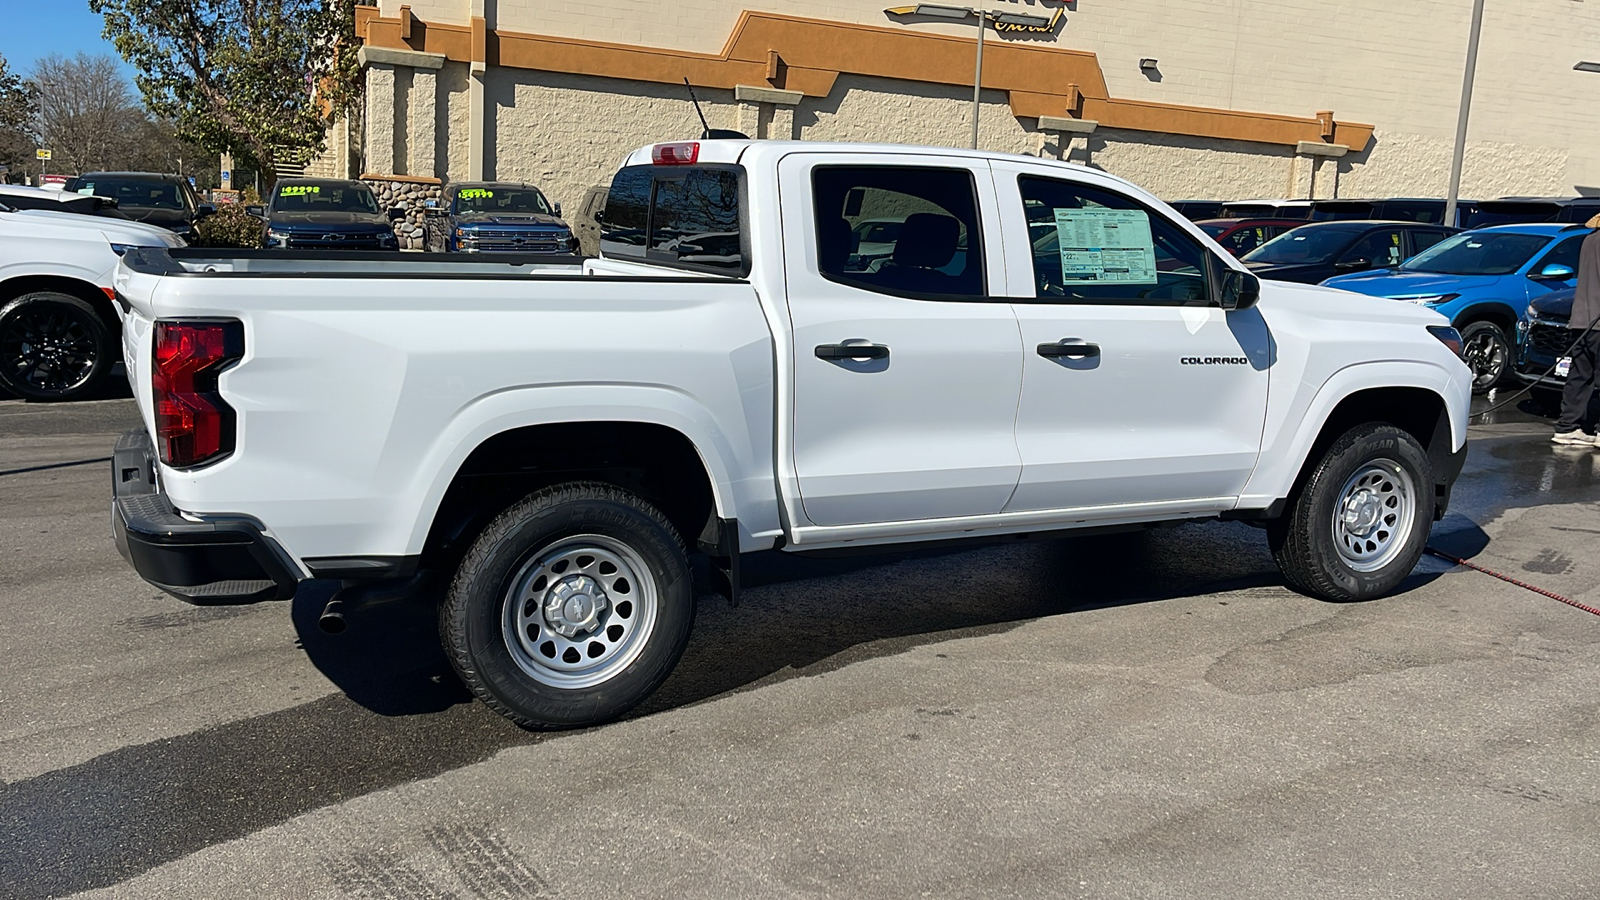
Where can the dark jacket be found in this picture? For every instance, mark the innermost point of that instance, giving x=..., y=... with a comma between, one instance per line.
x=1586, y=303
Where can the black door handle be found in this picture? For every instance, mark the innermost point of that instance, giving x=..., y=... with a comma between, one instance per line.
x=1069, y=349
x=852, y=351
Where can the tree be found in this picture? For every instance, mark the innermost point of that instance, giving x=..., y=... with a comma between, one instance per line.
x=261, y=79
x=16, y=121
x=86, y=114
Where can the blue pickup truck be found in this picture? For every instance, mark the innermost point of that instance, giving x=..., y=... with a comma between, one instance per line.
x=498, y=216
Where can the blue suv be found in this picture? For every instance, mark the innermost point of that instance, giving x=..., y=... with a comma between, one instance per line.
x=1482, y=280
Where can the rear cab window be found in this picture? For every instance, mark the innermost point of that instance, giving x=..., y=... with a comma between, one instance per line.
x=689, y=217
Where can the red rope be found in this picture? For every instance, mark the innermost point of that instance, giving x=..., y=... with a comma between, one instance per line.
x=1521, y=584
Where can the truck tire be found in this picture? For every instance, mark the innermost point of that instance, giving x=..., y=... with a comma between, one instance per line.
x=53, y=346
x=1488, y=352
x=1359, y=525
x=570, y=608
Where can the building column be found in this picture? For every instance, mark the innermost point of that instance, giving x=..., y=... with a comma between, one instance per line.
x=1064, y=129
x=1309, y=177
x=424, y=103
x=380, y=116
x=478, y=96
x=766, y=113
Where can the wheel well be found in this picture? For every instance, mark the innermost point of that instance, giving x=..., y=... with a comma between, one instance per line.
x=1419, y=412
x=83, y=290
x=654, y=461
x=1501, y=316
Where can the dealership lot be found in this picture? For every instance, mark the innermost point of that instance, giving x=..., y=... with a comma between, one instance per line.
x=1127, y=716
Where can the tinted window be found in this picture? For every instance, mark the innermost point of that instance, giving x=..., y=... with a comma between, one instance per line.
x=1380, y=250
x=332, y=197
x=627, y=212
x=1412, y=211
x=1563, y=254
x=1422, y=240
x=128, y=192
x=1477, y=253
x=695, y=217
x=1095, y=246
x=935, y=247
x=673, y=214
x=1305, y=245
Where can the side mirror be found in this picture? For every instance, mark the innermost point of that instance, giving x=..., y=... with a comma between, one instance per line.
x=397, y=213
x=558, y=210
x=257, y=211
x=1556, y=272
x=204, y=209
x=1240, y=290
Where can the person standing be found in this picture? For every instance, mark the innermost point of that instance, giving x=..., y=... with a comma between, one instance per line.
x=1581, y=377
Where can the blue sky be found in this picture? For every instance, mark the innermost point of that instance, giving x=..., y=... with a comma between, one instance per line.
x=35, y=28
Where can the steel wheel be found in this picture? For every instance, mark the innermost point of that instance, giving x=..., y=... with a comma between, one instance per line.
x=48, y=348
x=580, y=611
x=1373, y=515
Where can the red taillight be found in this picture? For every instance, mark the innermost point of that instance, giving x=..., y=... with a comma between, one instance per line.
x=682, y=154
x=193, y=423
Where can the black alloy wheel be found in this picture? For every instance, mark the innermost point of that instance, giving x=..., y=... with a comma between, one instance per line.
x=1487, y=352
x=52, y=347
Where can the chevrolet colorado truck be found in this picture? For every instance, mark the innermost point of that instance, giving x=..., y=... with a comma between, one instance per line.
x=1045, y=348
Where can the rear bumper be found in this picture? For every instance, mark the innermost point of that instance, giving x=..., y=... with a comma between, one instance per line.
x=217, y=559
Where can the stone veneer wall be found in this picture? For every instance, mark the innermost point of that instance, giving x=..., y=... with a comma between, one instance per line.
x=411, y=192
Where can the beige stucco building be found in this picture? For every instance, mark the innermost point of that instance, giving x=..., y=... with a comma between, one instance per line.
x=1271, y=98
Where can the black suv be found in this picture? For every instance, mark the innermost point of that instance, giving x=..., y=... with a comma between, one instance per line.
x=326, y=214
x=167, y=201
x=1313, y=253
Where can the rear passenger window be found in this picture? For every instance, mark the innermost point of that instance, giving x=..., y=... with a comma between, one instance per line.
x=1095, y=246
x=687, y=216
x=1422, y=240
x=910, y=232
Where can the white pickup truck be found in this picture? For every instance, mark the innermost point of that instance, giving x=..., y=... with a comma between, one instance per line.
x=58, y=326
x=1041, y=348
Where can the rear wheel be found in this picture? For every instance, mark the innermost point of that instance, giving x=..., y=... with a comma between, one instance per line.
x=1359, y=525
x=1487, y=352
x=571, y=608
x=53, y=346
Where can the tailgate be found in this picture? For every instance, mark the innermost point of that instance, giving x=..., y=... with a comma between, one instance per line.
x=134, y=294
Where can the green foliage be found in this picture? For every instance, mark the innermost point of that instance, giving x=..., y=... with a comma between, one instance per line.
x=230, y=226
x=261, y=79
x=16, y=118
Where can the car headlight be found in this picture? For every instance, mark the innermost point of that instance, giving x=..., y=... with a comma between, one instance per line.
x=388, y=239
x=120, y=249
x=1530, y=312
x=1427, y=299
x=275, y=237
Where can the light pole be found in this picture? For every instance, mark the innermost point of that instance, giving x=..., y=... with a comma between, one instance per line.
x=1466, y=110
x=1011, y=21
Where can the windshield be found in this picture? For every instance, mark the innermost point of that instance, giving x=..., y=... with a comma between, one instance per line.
x=501, y=200
x=1303, y=245
x=1476, y=253
x=145, y=194
x=343, y=198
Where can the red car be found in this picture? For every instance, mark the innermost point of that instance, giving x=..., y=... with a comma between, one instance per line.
x=1240, y=236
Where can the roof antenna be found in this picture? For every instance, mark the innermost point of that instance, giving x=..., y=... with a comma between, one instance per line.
x=707, y=132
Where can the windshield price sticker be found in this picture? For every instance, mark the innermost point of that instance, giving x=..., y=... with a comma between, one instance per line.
x=1106, y=246
x=475, y=193
x=300, y=190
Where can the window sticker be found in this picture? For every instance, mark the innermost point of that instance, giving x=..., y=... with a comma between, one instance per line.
x=475, y=193
x=300, y=190
x=1106, y=246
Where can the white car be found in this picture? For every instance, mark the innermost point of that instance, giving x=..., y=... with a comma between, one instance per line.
x=59, y=327
x=558, y=441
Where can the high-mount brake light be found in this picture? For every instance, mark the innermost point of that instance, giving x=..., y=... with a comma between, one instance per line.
x=680, y=154
x=194, y=425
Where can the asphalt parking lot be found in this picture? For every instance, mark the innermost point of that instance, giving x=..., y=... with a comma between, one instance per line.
x=1136, y=716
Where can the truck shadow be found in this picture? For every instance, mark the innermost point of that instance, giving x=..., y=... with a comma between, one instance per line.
x=803, y=616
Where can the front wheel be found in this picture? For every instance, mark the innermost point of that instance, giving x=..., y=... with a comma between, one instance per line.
x=571, y=608
x=1487, y=351
x=1359, y=525
x=53, y=347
